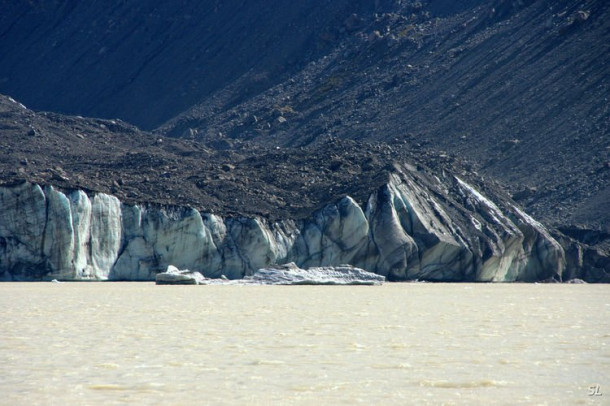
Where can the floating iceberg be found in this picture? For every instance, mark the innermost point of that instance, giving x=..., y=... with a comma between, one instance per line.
x=174, y=276
x=287, y=274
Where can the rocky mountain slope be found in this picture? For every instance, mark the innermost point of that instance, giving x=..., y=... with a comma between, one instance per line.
x=234, y=178
x=523, y=94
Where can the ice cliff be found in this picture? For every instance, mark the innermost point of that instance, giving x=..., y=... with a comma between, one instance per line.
x=415, y=226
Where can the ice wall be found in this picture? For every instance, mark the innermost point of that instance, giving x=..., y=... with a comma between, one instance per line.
x=408, y=229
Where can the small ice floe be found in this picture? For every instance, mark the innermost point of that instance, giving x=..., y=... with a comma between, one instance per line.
x=287, y=274
x=291, y=274
x=56, y=281
x=174, y=276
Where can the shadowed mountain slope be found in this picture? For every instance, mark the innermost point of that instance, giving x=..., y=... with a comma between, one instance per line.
x=145, y=62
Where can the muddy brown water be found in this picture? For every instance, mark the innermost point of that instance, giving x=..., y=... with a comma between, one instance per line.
x=138, y=343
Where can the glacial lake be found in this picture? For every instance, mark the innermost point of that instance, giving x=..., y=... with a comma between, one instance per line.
x=408, y=343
